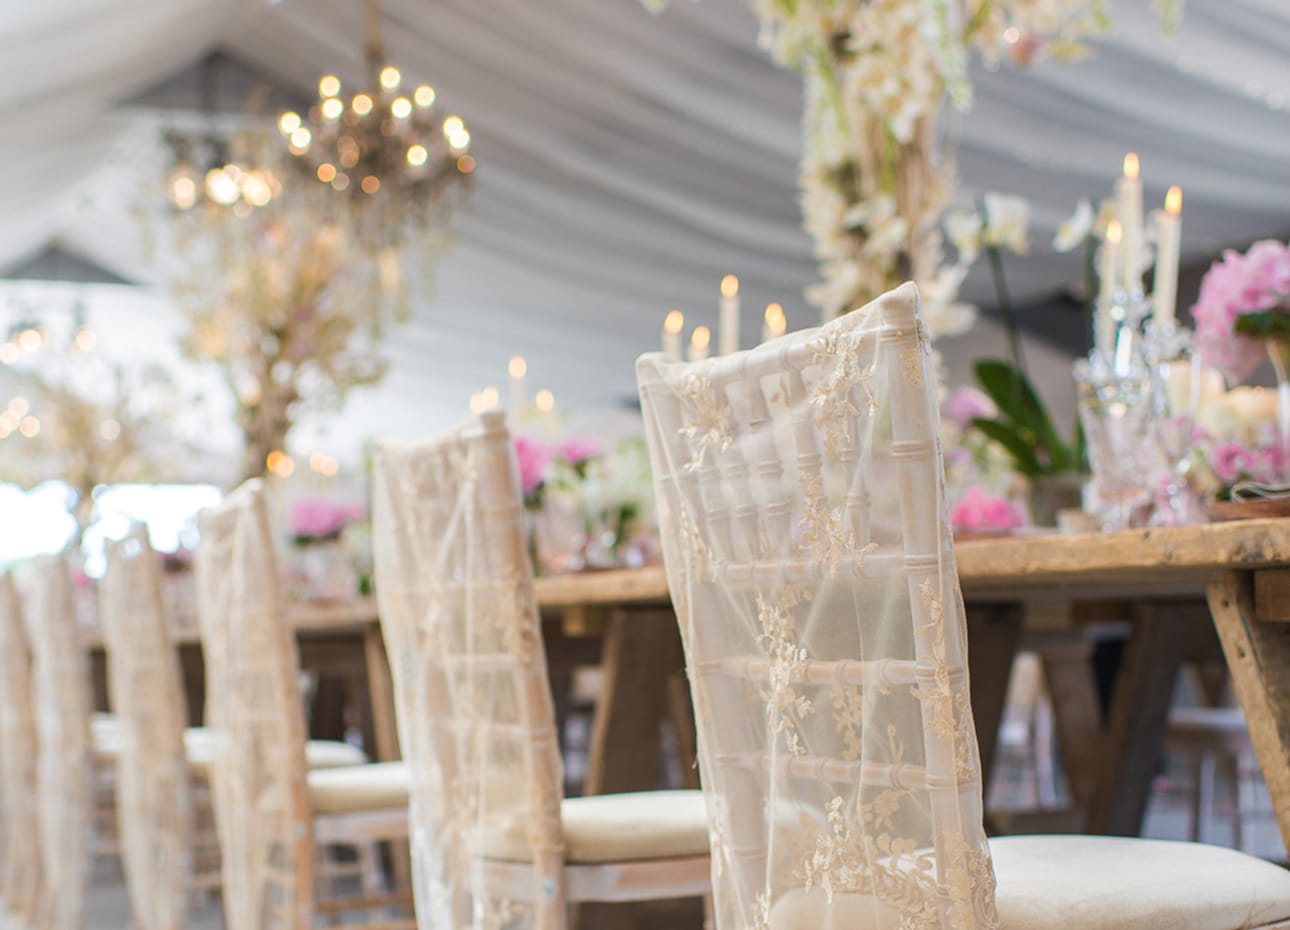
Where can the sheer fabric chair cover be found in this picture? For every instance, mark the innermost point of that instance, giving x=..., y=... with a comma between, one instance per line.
x=61, y=673
x=154, y=801
x=475, y=716
x=256, y=717
x=19, y=841
x=810, y=562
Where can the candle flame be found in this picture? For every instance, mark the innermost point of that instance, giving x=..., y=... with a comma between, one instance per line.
x=701, y=337
x=674, y=322
x=517, y=367
x=544, y=400
x=1114, y=232
x=729, y=286
x=1131, y=166
x=1173, y=201
x=489, y=398
x=776, y=322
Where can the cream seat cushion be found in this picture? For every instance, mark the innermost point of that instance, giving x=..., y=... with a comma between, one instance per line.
x=617, y=828
x=353, y=788
x=199, y=741
x=1090, y=883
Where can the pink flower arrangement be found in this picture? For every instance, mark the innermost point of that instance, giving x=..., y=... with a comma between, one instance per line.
x=534, y=458
x=1234, y=462
x=968, y=404
x=1237, y=284
x=980, y=512
x=578, y=449
x=314, y=518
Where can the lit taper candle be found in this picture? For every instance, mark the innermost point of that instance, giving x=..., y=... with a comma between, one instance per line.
x=728, y=321
x=1164, y=296
x=673, y=323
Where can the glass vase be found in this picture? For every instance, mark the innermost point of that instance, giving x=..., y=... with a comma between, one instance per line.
x=1279, y=354
x=1115, y=411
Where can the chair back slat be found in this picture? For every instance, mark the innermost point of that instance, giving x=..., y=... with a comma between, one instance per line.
x=476, y=721
x=828, y=660
x=60, y=677
x=19, y=840
x=256, y=717
x=154, y=801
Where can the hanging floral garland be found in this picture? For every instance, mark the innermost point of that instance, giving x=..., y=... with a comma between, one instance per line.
x=874, y=179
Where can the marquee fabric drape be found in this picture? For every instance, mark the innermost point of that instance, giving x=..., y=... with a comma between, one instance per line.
x=627, y=161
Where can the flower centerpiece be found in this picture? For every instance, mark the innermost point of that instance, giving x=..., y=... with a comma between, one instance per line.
x=588, y=507
x=1243, y=315
x=874, y=178
x=323, y=568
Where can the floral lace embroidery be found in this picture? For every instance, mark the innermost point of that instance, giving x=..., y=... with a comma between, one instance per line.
x=848, y=716
x=832, y=396
x=708, y=420
x=779, y=641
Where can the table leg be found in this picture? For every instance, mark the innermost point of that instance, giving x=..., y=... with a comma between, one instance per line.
x=1258, y=656
x=1077, y=720
x=640, y=653
x=1130, y=751
x=994, y=633
x=380, y=687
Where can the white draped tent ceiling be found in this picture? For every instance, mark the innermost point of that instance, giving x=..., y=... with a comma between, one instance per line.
x=626, y=162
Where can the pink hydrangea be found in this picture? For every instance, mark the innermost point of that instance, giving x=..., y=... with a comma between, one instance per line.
x=979, y=512
x=318, y=518
x=534, y=458
x=967, y=404
x=1237, y=284
x=577, y=449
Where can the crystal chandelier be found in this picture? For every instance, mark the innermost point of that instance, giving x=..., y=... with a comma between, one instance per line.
x=392, y=162
x=211, y=170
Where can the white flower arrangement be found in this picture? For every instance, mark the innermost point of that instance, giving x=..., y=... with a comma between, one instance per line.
x=874, y=183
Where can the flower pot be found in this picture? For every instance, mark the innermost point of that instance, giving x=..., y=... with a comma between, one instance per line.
x=1052, y=493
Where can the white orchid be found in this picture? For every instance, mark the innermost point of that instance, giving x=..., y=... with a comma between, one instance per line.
x=944, y=313
x=964, y=229
x=1007, y=223
x=1077, y=227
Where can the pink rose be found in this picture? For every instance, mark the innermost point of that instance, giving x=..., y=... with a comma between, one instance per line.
x=967, y=404
x=577, y=449
x=1231, y=460
x=534, y=458
x=979, y=511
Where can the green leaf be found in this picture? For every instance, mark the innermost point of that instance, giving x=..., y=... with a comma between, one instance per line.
x=1006, y=435
x=1269, y=324
x=1020, y=405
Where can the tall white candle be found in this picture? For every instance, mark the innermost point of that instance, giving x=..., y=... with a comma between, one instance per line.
x=1103, y=321
x=1164, y=295
x=1129, y=208
x=673, y=323
x=699, y=341
x=728, y=320
x=774, y=323
x=517, y=368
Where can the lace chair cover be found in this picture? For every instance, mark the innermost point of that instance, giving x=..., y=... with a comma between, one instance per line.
x=256, y=717
x=475, y=716
x=154, y=800
x=19, y=849
x=60, y=675
x=810, y=561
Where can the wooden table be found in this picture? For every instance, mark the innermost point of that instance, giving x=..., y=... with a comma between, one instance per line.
x=1172, y=582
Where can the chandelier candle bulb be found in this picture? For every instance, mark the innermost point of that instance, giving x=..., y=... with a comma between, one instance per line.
x=1164, y=294
x=699, y=341
x=673, y=323
x=774, y=323
x=1129, y=210
x=729, y=317
x=517, y=368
